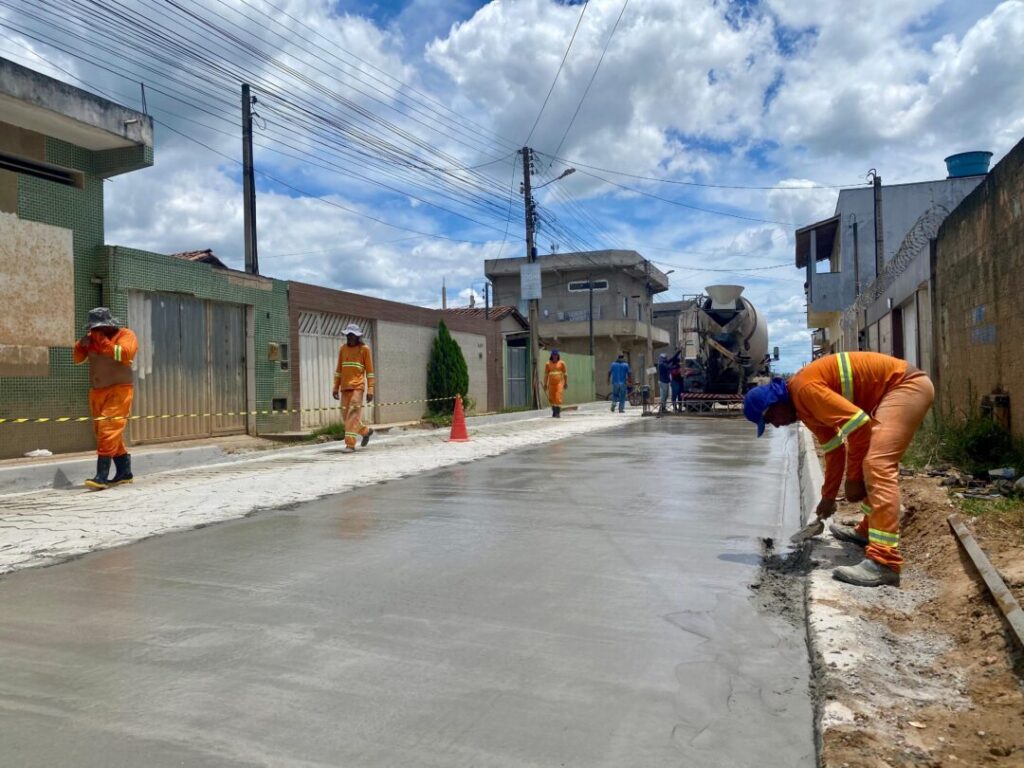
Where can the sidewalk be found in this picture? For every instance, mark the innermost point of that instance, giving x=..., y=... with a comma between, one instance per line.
x=45, y=527
x=69, y=470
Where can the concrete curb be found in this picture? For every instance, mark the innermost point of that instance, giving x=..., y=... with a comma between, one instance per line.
x=57, y=473
x=810, y=480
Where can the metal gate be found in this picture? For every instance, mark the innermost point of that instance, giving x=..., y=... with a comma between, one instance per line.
x=516, y=377
x=320, y=339
x=191, y=361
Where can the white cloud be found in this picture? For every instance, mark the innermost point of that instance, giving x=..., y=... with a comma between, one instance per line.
x=682, y=93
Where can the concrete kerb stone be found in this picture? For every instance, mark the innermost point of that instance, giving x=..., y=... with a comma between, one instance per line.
x=67, y=473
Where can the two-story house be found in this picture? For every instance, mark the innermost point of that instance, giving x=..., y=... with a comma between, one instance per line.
x=868, y=286
x=619, y=285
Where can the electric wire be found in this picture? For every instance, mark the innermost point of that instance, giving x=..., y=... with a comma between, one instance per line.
x=592, y=77
x=557, y=73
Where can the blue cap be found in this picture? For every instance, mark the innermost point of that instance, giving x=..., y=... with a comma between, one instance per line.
x=760, y=399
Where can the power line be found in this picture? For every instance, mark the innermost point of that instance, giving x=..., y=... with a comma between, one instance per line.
x=679, y=182
x=594, y=75
x=686, y=205
x=559, y=72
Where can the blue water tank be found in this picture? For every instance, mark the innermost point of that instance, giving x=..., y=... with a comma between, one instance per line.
x=968, y=164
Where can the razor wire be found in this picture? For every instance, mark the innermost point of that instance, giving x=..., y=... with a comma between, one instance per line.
x=924, y=230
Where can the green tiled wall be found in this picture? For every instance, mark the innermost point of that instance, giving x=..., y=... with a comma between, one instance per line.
x=104, y=276
x=65, y=391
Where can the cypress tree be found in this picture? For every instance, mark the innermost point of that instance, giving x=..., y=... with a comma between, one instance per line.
x=447, y=373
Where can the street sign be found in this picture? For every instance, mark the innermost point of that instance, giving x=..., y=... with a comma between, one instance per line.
x=529, y=282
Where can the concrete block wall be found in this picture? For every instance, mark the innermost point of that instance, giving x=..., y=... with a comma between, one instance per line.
x=979, y=299
x=402, y=348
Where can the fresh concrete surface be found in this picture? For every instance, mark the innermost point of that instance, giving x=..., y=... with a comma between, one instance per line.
x=47, y=526
x=581, y=603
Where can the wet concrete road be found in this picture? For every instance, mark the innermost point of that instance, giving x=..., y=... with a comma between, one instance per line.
x=584, y=604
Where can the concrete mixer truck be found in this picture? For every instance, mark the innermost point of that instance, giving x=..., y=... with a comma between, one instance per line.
x=724, y=341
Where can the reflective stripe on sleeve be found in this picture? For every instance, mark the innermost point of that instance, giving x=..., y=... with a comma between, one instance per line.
x=845, y=375
x=852, y=425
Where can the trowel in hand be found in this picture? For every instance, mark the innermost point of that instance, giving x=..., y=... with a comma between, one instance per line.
x=809, y=531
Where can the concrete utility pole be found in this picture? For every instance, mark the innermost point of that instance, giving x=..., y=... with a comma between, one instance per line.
x=650, y=323
x=252, y=264
x=879, y=240
x=590, y=314
x=531, y=257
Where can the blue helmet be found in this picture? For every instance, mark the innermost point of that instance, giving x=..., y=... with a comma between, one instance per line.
x=760, y=399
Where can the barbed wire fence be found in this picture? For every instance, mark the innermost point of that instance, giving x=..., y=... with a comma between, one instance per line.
x=916, y=242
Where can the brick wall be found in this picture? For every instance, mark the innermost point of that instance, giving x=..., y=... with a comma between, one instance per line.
x=979, y=294
x=303, y=297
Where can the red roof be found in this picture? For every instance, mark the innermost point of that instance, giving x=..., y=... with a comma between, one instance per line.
x=496, y=313
x=204, y=257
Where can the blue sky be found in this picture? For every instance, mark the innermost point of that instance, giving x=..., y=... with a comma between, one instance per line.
x=387, y=129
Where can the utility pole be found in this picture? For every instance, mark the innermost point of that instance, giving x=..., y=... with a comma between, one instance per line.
x=590, y=314
x=252, y=264
x=650, y=323
x=531, y=257
x=487, y=301
x=879, y=240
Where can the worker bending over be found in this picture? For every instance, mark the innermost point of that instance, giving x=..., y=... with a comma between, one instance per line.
x=556, y=379
x=353, y=376
x=864, y=409
x=110, y=349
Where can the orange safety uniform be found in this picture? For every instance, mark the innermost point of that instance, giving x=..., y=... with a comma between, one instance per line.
x=555, y=379
x=354, y=375
x=874, y=404
x=110, y=373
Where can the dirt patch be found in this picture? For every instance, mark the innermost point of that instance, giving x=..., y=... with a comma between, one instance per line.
x=943, y=632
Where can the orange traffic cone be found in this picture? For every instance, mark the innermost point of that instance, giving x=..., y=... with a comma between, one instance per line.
x=459, y=433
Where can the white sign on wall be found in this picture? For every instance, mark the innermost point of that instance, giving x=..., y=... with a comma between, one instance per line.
x=529, y=281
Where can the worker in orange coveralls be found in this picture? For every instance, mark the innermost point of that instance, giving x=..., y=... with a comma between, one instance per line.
x=556, y=379
x=874, y=404
x=110, y=349
x=353, y=376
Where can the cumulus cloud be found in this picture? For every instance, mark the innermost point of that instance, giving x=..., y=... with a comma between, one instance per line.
x=791, y=94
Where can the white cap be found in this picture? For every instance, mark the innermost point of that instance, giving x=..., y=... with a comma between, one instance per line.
x=353, y=329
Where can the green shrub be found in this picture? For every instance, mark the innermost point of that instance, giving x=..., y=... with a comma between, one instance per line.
x=447, y=373
x=974, y=444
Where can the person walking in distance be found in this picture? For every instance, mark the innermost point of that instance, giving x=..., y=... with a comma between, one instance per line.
x=556, y=379
x=618, y=377
x=110, y=349
x=864, y=409
x=665, y=366
x=352, y=378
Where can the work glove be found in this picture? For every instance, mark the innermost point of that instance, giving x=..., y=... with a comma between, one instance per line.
x=369, y=398
x=826, y=508
x=855, y=490
x=336, y=395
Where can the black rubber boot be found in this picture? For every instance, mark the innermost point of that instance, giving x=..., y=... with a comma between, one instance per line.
x=102, y=473
x=554, y=412
x=366, y=439
x=124, y=470
x=558, y=412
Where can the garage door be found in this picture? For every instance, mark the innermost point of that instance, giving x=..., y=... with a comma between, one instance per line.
x=191, y=362
x=320, y=337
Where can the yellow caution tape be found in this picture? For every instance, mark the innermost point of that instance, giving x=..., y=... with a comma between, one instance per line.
x=271, y=412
